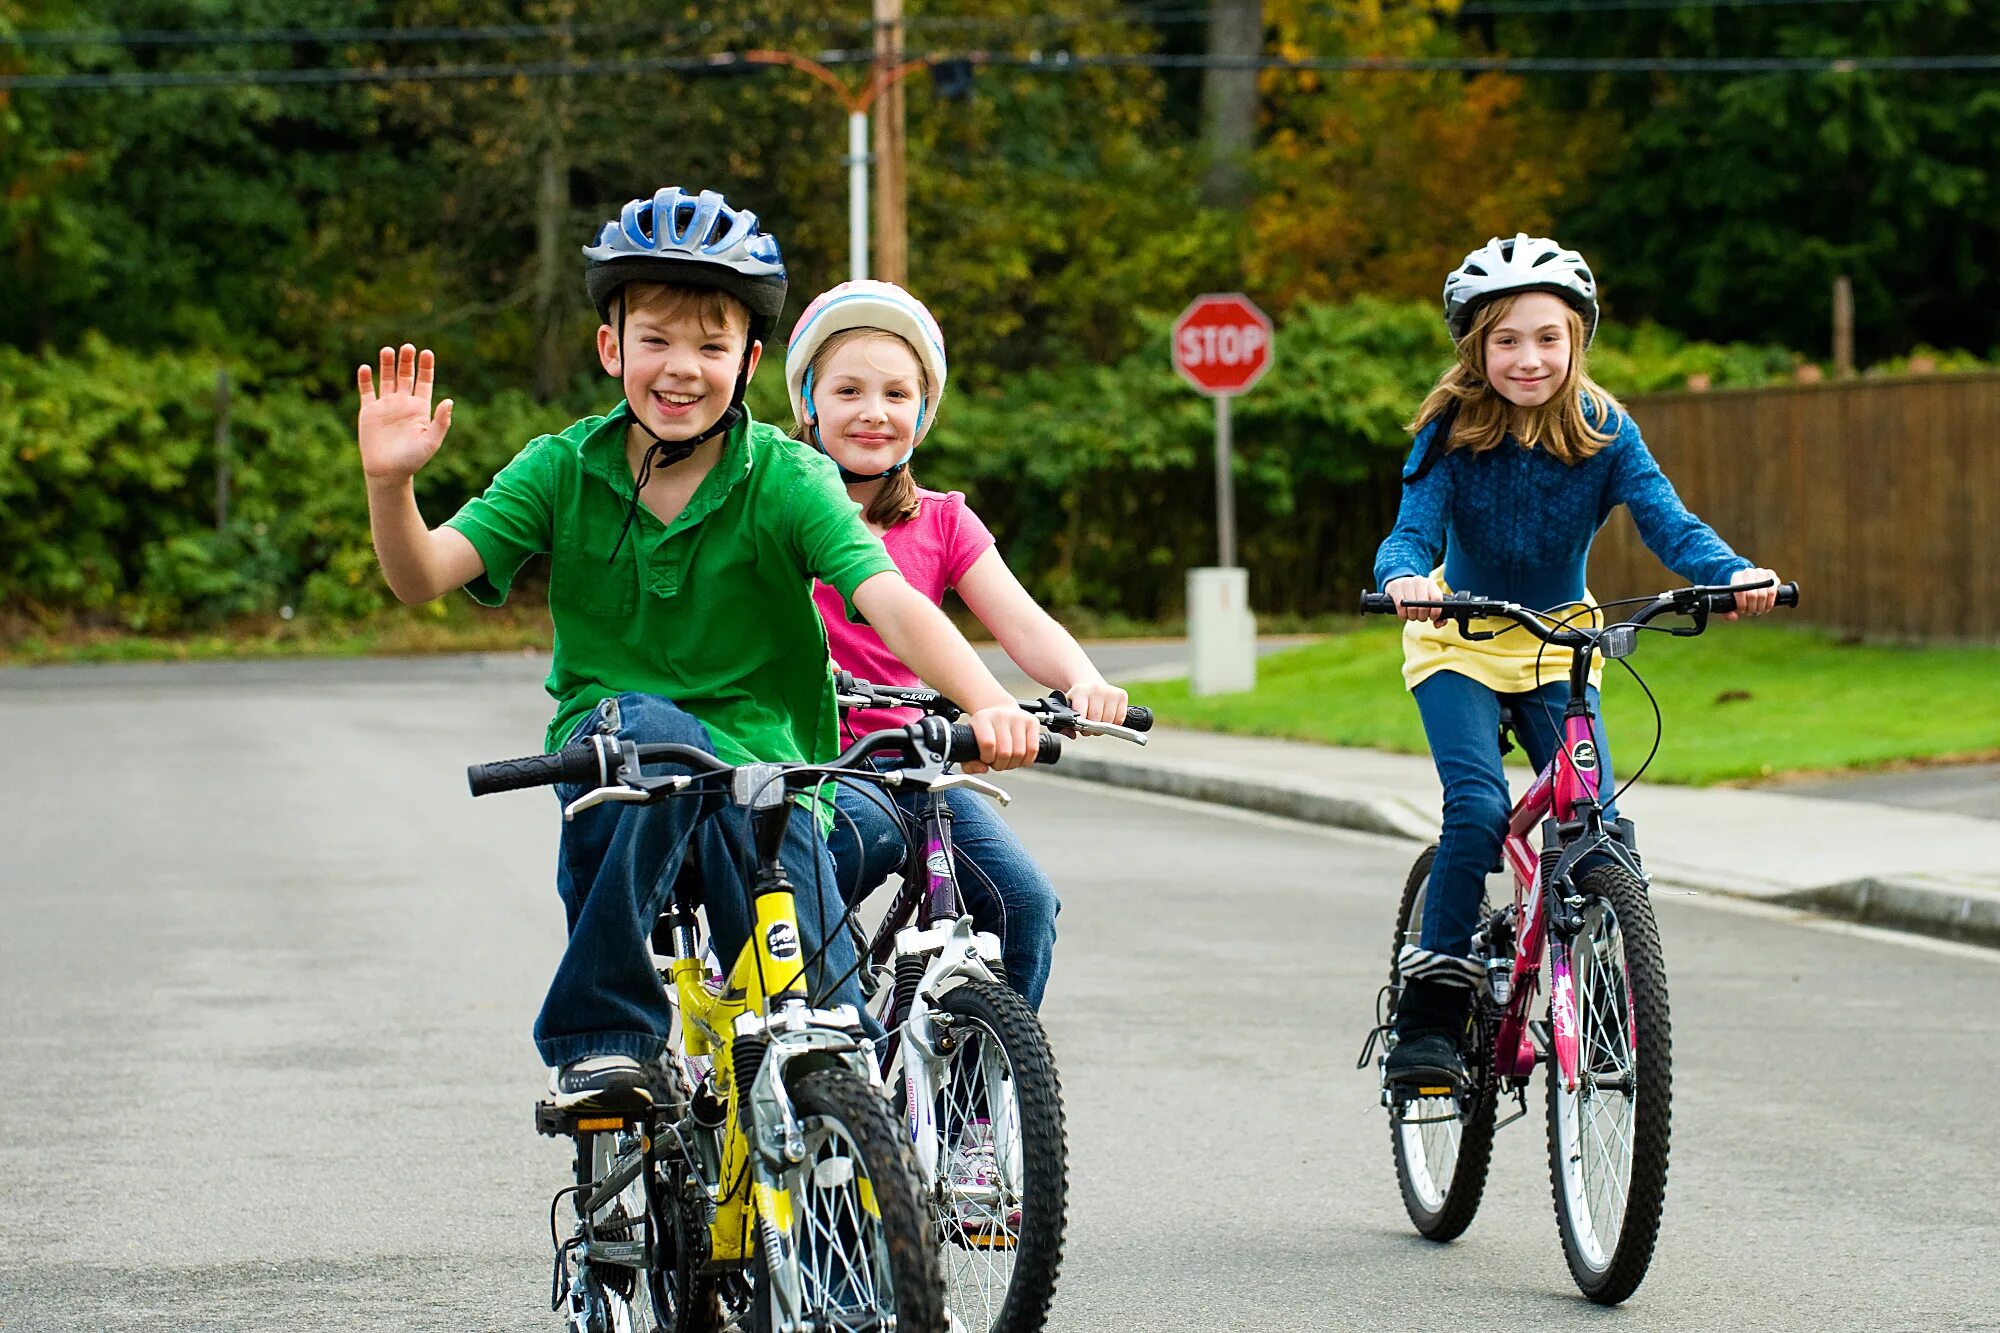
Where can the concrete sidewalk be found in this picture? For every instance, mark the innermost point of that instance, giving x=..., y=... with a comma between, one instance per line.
x=1888, y=865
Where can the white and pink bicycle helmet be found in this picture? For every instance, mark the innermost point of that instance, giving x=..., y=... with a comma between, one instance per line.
x=865, y=304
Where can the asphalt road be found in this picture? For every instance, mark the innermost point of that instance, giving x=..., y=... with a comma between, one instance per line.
x=267, y=974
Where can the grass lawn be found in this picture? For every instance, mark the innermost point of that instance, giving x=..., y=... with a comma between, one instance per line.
x=1744, y=701
x=448, y=625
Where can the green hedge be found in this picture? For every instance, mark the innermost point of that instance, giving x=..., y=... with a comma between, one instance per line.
x=1098, y=479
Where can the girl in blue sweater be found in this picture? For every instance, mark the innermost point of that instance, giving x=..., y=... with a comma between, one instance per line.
x=1518, y=460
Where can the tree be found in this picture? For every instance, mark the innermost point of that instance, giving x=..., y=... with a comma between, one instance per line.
x=1380, y=181
x=1728, y=205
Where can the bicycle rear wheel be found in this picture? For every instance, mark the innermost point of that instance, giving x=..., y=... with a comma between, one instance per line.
x=662, y=1210
x=1608, y=1139
x=858, y=1228
x=1004, y=1168
x=1442, y=1145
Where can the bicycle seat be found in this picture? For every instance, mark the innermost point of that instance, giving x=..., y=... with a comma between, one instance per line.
x=1510, y=725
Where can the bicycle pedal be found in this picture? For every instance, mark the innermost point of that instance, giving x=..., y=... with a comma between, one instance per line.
x=557, y=1122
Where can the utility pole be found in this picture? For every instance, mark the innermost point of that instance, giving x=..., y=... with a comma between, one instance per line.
x=1229, y=100
x=892, y=232
x=883, y=81
x=552, y=269
x=1843, y=327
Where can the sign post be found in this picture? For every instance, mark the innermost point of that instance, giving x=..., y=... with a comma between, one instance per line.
x=1222, y=346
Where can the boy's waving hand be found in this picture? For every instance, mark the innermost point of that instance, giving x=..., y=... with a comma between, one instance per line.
x=397, y=430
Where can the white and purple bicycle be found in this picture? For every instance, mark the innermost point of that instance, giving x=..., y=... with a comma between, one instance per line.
x=967, y=1058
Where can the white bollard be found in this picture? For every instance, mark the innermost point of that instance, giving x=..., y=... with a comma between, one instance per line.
x=1222, y=634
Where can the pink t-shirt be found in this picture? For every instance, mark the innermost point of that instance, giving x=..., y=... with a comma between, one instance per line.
x=933, y=551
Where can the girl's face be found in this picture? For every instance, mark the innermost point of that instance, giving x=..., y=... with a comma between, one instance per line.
x=1528, y=349
x=866, y=398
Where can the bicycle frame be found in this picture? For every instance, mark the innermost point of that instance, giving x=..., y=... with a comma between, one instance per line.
x=750, y=1025
x=1563, y=802
x=941, y=946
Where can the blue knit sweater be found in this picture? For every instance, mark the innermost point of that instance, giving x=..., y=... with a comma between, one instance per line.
x=1516, y=524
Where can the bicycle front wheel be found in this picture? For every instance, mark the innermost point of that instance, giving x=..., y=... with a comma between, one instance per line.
x=1442, y=1145
x=858, y=1231
x=1608, y=1137
x=1003, y=1182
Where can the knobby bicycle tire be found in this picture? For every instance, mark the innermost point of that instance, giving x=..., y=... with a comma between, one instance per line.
x=1453, y=1211
x=846, y=1102
x=1037, y=1091
x=1614, y=1271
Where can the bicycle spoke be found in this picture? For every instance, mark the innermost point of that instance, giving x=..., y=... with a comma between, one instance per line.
x=980, y=1199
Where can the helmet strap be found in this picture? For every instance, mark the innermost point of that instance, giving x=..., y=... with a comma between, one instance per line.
x=666, y=453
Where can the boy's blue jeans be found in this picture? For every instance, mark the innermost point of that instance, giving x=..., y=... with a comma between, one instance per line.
x=1462, y=722
x=1006, y=892
x=616, y=866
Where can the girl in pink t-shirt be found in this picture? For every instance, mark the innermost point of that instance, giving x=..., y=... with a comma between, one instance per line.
x=866, y=368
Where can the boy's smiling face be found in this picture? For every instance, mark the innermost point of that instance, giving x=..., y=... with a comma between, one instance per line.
x=680, y=363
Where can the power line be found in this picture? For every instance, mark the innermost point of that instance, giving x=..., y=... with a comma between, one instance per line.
x=1511, y=64
x=1045, y=62
x=384, y=36
x=387, y=36
x=1585, y=8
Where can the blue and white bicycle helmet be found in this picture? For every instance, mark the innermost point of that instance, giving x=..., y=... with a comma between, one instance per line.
x=1522, y=264
x=689, y=241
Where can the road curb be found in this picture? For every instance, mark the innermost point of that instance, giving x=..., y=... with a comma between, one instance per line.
x=1925, y=904
x=1965, y=910
x=1311, y=803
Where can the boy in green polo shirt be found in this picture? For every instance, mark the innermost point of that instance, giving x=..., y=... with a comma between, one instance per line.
x=683, y=542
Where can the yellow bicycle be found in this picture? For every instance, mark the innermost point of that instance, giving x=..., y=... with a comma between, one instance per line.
x=769, y=1179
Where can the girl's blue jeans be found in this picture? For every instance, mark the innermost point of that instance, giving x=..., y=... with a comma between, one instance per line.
x=1003, y=888
x=615, y=868
x=1462, y=723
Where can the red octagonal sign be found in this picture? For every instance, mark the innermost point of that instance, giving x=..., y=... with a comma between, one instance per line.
x=1222, y=343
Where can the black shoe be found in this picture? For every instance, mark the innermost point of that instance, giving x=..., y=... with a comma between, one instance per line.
x=1424, y=1061
x=602, y=1083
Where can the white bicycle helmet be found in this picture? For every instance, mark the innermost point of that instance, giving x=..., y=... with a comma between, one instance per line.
x=867, y=304
x=1522, y=264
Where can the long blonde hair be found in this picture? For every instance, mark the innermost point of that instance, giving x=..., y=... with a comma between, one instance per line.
x=1563, y=425
x=897, y=501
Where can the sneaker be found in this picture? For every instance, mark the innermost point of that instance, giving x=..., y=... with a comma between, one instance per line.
x=1429, y=1062
x=979, y=1213
x=602, y=1083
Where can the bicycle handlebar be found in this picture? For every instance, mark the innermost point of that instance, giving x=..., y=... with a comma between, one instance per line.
x=1699, y=601
x=596, y=760
x=572, y=763
x=1055, y=708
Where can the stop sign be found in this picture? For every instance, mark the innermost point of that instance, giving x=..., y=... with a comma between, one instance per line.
x=1222, y=343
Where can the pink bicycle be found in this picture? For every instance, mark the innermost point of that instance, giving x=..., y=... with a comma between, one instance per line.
x=1581, y=901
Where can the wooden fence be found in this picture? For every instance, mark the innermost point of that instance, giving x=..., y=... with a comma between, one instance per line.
x=1881, y=497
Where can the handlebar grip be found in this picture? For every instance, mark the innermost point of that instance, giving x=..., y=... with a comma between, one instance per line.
x=572, y=763
x=1377, y=603
x=1724, y=602
x=965, y=746
x=1139, y=718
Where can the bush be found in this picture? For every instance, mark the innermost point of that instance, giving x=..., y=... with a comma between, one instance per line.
x=1098, y=479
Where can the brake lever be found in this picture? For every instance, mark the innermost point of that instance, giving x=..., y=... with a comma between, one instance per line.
x=627, y=794
x=966, y=780
x=1112, y=729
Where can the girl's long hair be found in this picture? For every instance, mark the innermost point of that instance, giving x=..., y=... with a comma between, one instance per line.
x=897, y=501
x=1563, y=425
